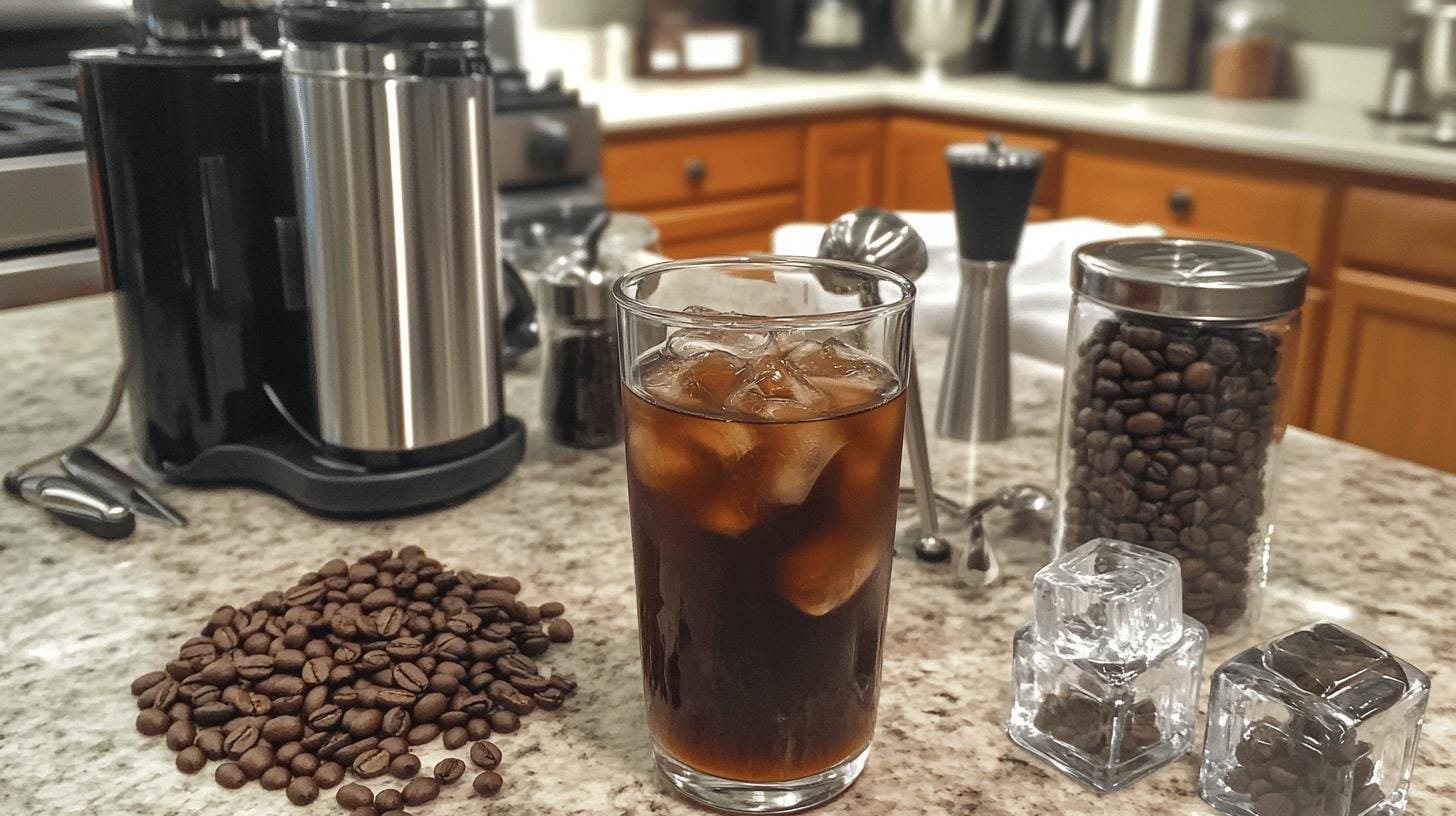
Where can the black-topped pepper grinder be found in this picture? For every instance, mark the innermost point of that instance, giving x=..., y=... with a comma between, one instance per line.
x=581, y=384
x=992, y=186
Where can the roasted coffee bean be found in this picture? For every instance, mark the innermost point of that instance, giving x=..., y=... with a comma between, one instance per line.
x=420, y=791
x=503, y=721
x=477, y=729
x=394, y=745
x=287, y=751
x=230, y=776
x=181, y=734
x=371, y=763
x=325, y=717
x=362, y=722
x=549, y=699
x=304, y=765
x=410, y=677
x=396, y=722
x=191, y=759
x=405, y=766
x=328, y=775
x=256, y=760
x=354, y=795
x=559, y=630
x=239, y=741
x=485, y=755
x=275, y=778
x=422, y=733
x=279, y=730
x=289, y=660
x=429, y=707
x=281, y=685
x=350, y=751
x=389, y=799
x=146, y=682
x=456, y=738
x=391, y=697
x=449, y=771
x=254, y=667
x=210, y=741
x=487, y=783
x=302, y=791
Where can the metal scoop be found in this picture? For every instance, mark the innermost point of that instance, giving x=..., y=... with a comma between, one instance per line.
x=875, y=236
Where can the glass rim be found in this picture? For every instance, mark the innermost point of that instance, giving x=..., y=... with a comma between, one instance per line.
x=731, y=320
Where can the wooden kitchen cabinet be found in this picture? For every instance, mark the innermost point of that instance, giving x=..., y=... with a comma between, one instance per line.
x=916, y=177
x=843, y=162
x=644, y=172
x=728, y=227
x=1200, y=197
x=1305, y=352
x=1413, y=235
x=1389, y=376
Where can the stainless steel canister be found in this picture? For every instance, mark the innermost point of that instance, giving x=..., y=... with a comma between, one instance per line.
x=390, y=108
x=1153, y=45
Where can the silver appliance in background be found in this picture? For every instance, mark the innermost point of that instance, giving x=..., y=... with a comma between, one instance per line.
x=1152, y=48
x=933, y=32
x=1403, y=97
x=1439, y=61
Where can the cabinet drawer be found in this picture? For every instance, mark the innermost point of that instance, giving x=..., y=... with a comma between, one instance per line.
x=916, y=177
x=1414, y=234
x=658, y=171
x=1192, y=199
x=728, y=227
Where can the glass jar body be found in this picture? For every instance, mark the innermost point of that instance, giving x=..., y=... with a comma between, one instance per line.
x=1169, y=438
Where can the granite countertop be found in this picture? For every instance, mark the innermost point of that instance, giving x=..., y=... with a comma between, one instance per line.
x=1363, y=540
x=1329, y=132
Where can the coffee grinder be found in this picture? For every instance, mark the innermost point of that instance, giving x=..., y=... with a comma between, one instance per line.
x=304, y=246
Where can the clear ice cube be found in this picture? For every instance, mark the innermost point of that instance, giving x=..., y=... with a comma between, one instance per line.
x=827, y=568
x=774, y=391
x=1109, y=601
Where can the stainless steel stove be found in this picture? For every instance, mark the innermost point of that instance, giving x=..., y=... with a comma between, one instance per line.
x=547, y=153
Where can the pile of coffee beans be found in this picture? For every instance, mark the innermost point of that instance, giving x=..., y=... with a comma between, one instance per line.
x=351, y=668
x=1300, y=768
x=1084, y=722
x=1170, y=428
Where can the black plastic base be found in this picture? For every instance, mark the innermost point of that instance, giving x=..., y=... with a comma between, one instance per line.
x=282, y=462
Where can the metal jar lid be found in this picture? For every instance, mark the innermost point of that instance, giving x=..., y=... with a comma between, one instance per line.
x=1190, y=279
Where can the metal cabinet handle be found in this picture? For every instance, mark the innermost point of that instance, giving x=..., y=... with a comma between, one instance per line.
x=695, y=171
x=1180, y=202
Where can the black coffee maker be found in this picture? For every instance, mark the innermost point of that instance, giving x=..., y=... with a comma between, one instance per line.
x=1061, y=40
x=303, y=246
x=820, y=35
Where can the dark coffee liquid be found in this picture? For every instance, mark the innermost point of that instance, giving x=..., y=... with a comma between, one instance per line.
x=763, y=555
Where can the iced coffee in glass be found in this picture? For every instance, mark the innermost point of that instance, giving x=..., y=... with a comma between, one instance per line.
x=764, y=415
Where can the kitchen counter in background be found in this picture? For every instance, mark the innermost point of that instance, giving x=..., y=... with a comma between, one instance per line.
x=1364, y=539
x=1330, y=132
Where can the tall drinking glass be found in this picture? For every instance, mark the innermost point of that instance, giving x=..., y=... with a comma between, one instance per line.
x=764, y=413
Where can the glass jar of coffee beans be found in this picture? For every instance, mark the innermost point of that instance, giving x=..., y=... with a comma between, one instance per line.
x=1177, y=362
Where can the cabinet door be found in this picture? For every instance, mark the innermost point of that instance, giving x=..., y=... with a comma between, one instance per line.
x=728, y=227
x=842, y=168
x=1387, y=381
x=1305, y=352
x=662, y=170
x=1195, y=198
x=916, y=177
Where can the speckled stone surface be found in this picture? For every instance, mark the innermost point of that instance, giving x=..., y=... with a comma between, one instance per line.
x=1364, y=539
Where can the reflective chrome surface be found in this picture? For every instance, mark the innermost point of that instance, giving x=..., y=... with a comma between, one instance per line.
x=975, y=397
x=933, y=31
x=396, y=198
x=1152, y=47
x=1440, y=65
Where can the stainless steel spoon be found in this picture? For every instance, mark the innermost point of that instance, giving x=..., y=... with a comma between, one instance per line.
x=879, y=237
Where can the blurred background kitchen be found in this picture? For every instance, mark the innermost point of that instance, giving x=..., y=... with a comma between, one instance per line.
x=1313, y=126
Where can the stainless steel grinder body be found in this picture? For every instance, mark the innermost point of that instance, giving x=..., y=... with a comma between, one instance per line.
x=390, y=112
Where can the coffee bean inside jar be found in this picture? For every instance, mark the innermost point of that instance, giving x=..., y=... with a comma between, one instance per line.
x=1171, y=409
